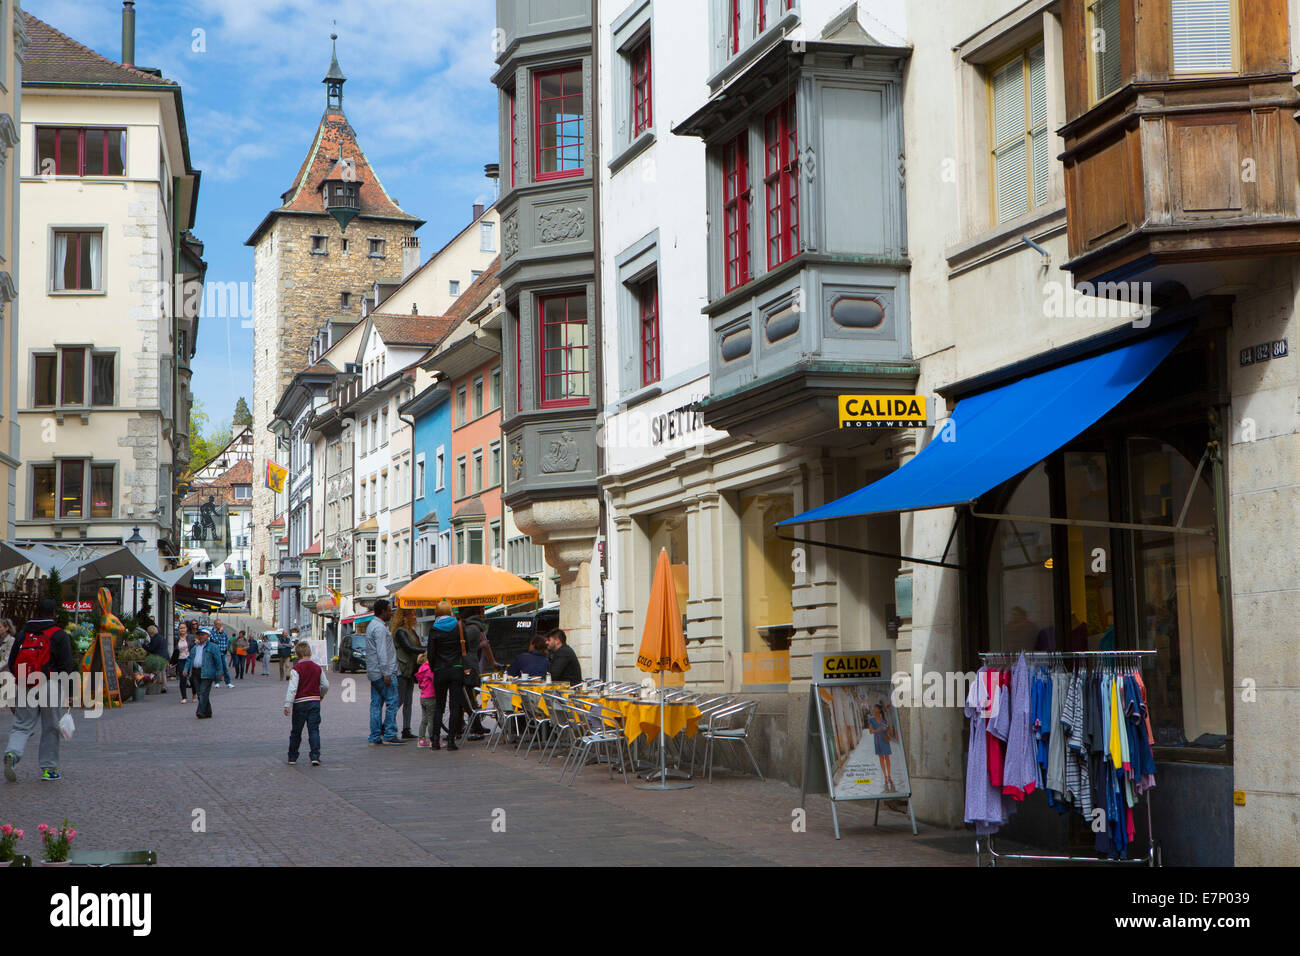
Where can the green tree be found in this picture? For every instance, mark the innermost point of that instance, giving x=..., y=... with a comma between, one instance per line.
x=204, y=447
x=242, y=416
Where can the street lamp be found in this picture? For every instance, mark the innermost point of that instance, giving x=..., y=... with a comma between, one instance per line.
x=136, y=543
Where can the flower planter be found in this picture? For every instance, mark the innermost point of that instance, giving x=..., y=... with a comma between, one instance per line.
x=54, y=862
x=139, y=694
x=153, y=689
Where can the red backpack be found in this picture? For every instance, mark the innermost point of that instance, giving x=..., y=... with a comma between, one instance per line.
x=34, y=654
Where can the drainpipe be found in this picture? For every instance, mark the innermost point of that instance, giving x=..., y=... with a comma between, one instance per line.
x=601, y=630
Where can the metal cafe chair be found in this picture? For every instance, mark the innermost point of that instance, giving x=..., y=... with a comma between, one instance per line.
x=707, y=706
x=537, y=720
x=475, y=712
x=729, y=725
x=508, y=718
x=563, y=724
x=603, y=727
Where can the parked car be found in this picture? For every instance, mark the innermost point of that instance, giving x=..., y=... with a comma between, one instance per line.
x=281, y=649
x=352, y=653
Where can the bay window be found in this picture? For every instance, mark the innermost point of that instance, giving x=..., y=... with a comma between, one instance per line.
x=564, y=366
x=735, y=205
x=781, y=183
x=558, y=123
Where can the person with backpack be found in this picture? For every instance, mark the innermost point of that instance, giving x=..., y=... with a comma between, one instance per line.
x=41, y=648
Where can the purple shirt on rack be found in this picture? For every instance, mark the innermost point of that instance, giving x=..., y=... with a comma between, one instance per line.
x=1020, y=775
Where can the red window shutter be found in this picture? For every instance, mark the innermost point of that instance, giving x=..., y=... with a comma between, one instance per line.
x=650, y=371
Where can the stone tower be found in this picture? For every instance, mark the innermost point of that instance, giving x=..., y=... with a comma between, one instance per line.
x=315, y=256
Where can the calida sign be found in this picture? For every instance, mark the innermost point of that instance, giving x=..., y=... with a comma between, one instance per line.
x=882, y=411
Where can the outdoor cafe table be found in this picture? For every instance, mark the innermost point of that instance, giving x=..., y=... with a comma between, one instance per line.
x=642, y=716
x=513, y=687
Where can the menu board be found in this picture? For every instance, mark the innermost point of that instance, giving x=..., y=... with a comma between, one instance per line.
x=104, y=661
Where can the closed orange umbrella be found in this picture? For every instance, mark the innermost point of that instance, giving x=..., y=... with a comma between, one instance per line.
x=466, y=584
x=663, y=648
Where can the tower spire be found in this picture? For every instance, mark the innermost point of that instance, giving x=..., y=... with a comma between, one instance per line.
x=334, y=79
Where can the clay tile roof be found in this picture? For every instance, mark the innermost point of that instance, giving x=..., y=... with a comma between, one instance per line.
x=412, y=329
x=314, y=549
x=334, y=138
x=221, y=490
x=55, y=57
x=469, y=300
x=277, y=523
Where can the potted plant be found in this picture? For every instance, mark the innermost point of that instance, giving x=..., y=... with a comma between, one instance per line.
x=9, y=837
x=57, y=843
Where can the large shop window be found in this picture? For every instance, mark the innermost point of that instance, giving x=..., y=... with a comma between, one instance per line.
x=61, y=490
x=1075, y=588
x=768, y=585
x=563, y=321
x=557, y=130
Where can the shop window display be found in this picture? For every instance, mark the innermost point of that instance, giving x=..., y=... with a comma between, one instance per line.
x=768, y=571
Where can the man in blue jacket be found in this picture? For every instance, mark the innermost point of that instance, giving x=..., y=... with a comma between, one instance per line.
x=205, y=659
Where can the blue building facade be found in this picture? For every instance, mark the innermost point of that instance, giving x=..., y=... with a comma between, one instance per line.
x=431, y=507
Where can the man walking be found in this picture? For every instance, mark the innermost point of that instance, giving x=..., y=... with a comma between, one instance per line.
x=221, y=642
x=41, y=653
x=381, y=668
x=204, y=661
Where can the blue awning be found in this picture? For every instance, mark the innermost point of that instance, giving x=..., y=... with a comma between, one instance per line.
x=999, y=433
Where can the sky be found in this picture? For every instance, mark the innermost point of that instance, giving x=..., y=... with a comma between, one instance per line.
x=418, y=94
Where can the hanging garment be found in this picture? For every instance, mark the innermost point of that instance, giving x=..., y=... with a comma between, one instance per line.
x=1144, y=762
x=999, y=724
x=1054, y=781
x=1020, y=775
x=983, y=800
x=1113, y=745
x=1151, y=738
x=1078, y=790
x=1042, y=719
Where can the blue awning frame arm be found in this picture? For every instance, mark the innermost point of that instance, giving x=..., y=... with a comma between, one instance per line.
x=888, y=554
x=1210, y=449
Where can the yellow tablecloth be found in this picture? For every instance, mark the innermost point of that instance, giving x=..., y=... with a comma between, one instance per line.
x=485, y=700
x=642, y=717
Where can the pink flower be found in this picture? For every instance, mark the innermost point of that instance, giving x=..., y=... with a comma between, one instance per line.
x=7, y=829
x=71, y=834
x=20, y=834
x=43, y=827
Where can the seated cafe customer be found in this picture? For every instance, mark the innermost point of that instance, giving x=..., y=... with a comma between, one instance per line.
x=564, y=667
x=532, y=662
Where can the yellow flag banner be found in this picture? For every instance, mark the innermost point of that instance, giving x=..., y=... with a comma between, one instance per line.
x=275, y=475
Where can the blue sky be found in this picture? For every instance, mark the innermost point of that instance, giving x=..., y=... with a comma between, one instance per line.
x=418, y=94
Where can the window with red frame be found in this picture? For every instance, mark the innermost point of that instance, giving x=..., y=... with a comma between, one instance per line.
x=735, y=210
x=563, y=324
x=734, y=23
x=648, y=295
x=514, y=139
x=760, y=14
x=642, y=108
x=557, y=123
x=781, y=182
x=73, y=151
x=77, y=261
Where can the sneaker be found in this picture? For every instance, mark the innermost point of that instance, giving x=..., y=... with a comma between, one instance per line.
x=451, y=745
x=407, y=735
x=228, y=684
x=477, y=736
x=315, y=763
x=11, y=761
x=49, y=775
x=422, y=742
x=292, y=761
x=395, y=740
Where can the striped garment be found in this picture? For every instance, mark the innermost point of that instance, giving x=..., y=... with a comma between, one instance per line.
x=1078, y=788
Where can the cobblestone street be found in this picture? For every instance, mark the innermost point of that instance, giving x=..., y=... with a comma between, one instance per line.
x=136, y=778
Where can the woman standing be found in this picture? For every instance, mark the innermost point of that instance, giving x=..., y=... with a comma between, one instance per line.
x=879, y=728
x=408, y=647
x=241, y=654
x=180, y=654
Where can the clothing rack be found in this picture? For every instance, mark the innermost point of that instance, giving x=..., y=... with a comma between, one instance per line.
x=1106, y=659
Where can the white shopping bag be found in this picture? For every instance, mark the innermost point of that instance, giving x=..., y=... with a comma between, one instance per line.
x=66, y=725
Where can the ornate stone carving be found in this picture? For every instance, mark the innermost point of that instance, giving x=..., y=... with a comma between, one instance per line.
x=517, y=458
x=561, y=223
x=810, y=165
x=561, y=456
x=510, y=236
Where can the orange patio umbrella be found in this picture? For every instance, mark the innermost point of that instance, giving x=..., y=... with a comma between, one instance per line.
x=466, y=584
x=663, y=648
